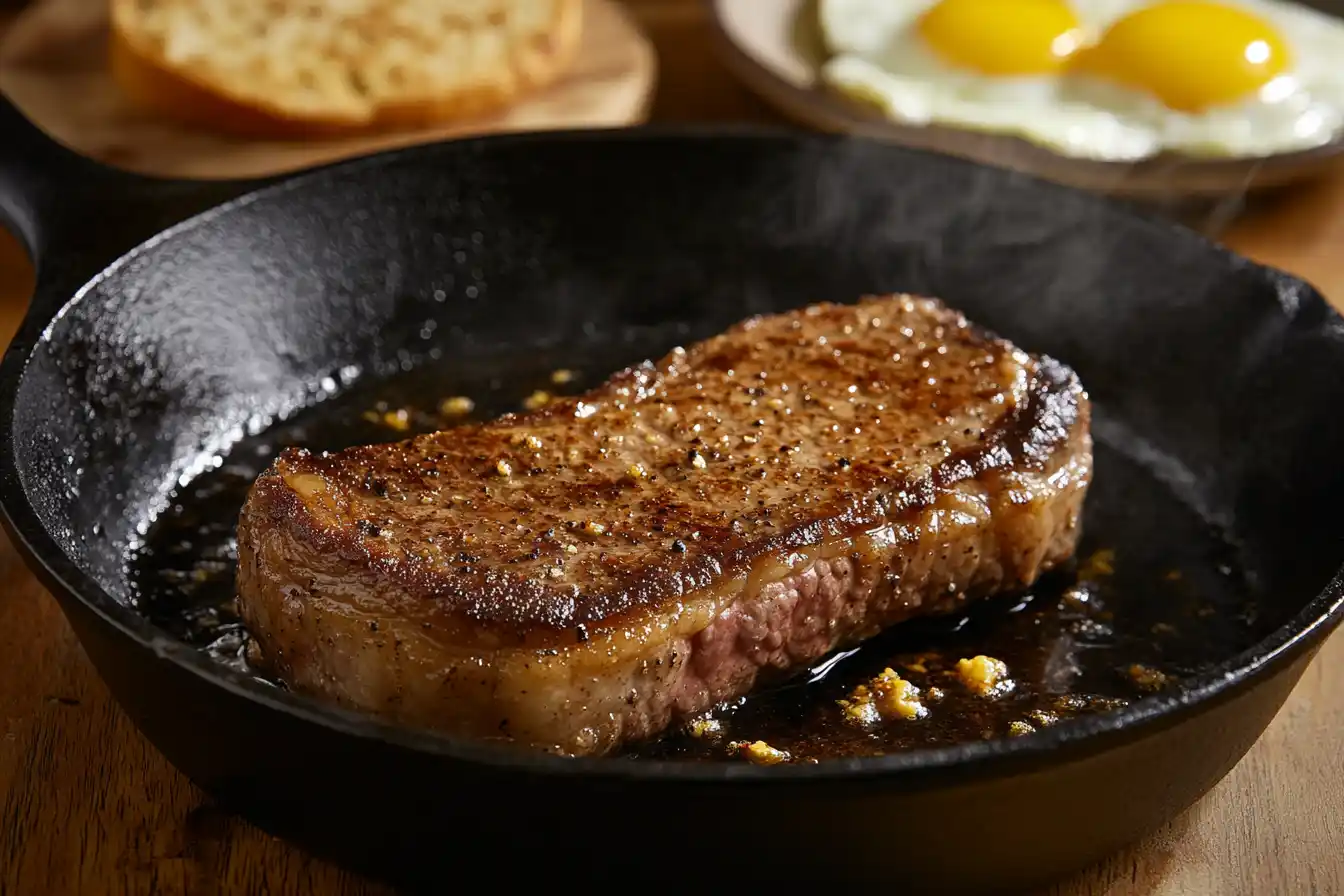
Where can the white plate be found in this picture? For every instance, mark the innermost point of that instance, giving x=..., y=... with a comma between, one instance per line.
x=775, y=48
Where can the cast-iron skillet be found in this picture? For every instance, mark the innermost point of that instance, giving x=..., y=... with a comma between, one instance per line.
x=136, y=366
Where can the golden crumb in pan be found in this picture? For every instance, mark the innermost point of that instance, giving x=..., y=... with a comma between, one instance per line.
x=1042, y=718
x=887, y=696
x=1076, y=703
x=920, y=662
x=398, y=419
x=1147, y=678
x=537, y=400
x=456, y=406
x=985, y=675
x=705, y=728
x=758, y=752
x=1099, y=563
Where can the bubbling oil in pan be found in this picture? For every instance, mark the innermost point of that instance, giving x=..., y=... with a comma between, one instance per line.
x=1136, y=613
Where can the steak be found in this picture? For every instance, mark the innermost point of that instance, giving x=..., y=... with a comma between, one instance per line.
x=592, y=573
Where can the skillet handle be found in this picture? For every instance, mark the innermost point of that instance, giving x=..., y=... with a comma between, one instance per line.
x=75, y=216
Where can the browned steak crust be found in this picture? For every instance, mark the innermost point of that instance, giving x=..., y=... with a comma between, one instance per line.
x=590, y=573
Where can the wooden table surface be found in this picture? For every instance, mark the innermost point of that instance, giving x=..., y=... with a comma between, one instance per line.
x=88, y=806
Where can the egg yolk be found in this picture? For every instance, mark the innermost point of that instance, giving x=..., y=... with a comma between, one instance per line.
x=996, y=37
x=1191, y=55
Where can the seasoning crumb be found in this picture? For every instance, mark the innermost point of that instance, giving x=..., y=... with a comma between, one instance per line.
x=1072, y=703
x=985, y=675
x=637, y=471
x=399, y=419
x=1100, y=563
x=1077, y=599
x=923, y=663
x=571, y=549
x=886, y=696
x=537, y=400
x=594, y=528
x=706, y=728
x=1146, y=677
x=933, y=695
x=456, y=406
x=503, y=468
x=759, y=752
x=697, y=459
x=562, y=377
x=1043, y=717
x=1020, y=728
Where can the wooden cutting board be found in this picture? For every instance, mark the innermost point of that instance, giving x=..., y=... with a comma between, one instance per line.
x=53, y=65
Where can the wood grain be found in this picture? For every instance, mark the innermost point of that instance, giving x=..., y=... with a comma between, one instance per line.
x=87, y=806
x=53, y=65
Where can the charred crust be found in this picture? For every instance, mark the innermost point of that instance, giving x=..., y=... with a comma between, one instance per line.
x=499, y=597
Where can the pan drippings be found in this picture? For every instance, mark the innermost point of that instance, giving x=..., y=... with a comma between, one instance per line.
x=1155, y=596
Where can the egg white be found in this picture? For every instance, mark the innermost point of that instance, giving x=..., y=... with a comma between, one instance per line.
x=878, y=56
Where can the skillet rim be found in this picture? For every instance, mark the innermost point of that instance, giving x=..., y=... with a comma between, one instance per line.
x=1066, y=742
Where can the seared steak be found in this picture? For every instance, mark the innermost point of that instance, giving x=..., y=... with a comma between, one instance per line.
x=589, y=574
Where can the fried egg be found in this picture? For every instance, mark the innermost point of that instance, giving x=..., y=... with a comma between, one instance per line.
x=1116, y=80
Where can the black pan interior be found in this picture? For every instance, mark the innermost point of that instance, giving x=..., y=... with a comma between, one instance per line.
x=1212, y=376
